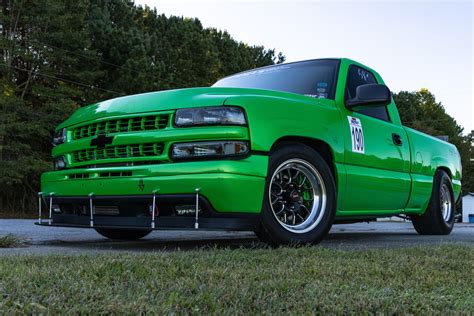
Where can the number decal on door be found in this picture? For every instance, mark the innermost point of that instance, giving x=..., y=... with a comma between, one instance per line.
x=357, y=135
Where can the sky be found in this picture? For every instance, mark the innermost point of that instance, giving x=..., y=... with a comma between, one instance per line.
x=411, y=44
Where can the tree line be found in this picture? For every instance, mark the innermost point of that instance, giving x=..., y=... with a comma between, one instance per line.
x=56, y=56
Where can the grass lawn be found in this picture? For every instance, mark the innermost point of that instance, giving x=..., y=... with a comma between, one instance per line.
x=243, y=281
x=10, y=241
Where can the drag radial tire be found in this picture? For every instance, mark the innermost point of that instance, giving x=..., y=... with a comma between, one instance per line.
x=439, y=216
x=123, y=234
x=300, y=197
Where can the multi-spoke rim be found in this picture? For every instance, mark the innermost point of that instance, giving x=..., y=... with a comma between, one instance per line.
x=297, y=196
x=446, y=203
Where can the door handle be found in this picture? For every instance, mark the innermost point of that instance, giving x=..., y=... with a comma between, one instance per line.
x=397, y=139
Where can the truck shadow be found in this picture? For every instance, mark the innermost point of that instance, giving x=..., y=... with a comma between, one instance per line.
x=152, y=245
x=333, y=240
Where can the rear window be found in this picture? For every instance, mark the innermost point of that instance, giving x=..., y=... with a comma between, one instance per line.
x=314, y=78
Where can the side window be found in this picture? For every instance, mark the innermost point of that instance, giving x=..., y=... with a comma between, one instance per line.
x=358, y=76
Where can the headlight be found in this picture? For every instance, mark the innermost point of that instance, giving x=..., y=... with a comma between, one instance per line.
x=216, y=115
x=59, y=137
x=60, y=163
x=209, y=149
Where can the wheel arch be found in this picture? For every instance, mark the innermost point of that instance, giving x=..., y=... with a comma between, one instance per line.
x=445, y=169
x=457, y=198
x=323, y=148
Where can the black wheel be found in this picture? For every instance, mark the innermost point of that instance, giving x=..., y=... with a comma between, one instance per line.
x=439, y=216
x=300, y=201
x=123, y=234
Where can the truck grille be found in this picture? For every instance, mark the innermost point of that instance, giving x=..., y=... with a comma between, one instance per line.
x=108, y=174
x=133, y=124
x=119, y=151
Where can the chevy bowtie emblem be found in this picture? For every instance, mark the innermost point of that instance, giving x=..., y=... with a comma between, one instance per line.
x=102, y=140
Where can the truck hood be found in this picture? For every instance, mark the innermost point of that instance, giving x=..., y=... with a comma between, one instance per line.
x=163, y=101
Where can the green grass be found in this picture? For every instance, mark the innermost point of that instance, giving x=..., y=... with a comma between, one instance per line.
x=10, y=241
x=243, y=281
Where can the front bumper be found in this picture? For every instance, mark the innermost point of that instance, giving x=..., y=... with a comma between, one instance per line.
x=230, y=190
x=134, y=212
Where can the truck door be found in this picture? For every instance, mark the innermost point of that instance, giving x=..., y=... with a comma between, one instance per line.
x=377, y=155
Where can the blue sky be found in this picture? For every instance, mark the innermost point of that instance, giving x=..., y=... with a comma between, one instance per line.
x=412, y=44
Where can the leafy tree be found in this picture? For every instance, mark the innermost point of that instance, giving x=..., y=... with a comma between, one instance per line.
x=235, y=56
x=36, y=88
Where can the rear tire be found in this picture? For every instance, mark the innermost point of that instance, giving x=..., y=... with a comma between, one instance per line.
x=299, y=203
x=123, y=234
x=440, y=214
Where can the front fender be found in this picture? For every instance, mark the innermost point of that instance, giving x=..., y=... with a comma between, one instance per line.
x=273, y=117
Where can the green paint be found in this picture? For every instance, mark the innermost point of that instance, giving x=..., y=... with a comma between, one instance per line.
x=384, y=180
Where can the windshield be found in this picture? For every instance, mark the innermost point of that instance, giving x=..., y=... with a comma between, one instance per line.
x=314, y=78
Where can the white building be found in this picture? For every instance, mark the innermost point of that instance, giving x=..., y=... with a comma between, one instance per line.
x=467, y=207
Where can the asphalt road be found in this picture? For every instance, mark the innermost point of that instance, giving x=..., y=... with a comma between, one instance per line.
x=46, y=240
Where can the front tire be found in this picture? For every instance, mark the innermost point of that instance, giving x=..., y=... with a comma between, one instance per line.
x=300, y=201
x=123, y=234
x=440, y=214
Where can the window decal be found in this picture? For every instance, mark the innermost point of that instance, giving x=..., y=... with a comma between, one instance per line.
x=364, y=75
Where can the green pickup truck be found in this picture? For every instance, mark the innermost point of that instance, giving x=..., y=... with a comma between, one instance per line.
x=285, y=151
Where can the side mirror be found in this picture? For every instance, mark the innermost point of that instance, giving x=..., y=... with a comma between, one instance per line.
x=371, y=95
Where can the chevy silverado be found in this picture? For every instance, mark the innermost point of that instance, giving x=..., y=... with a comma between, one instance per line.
x=285, y=150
